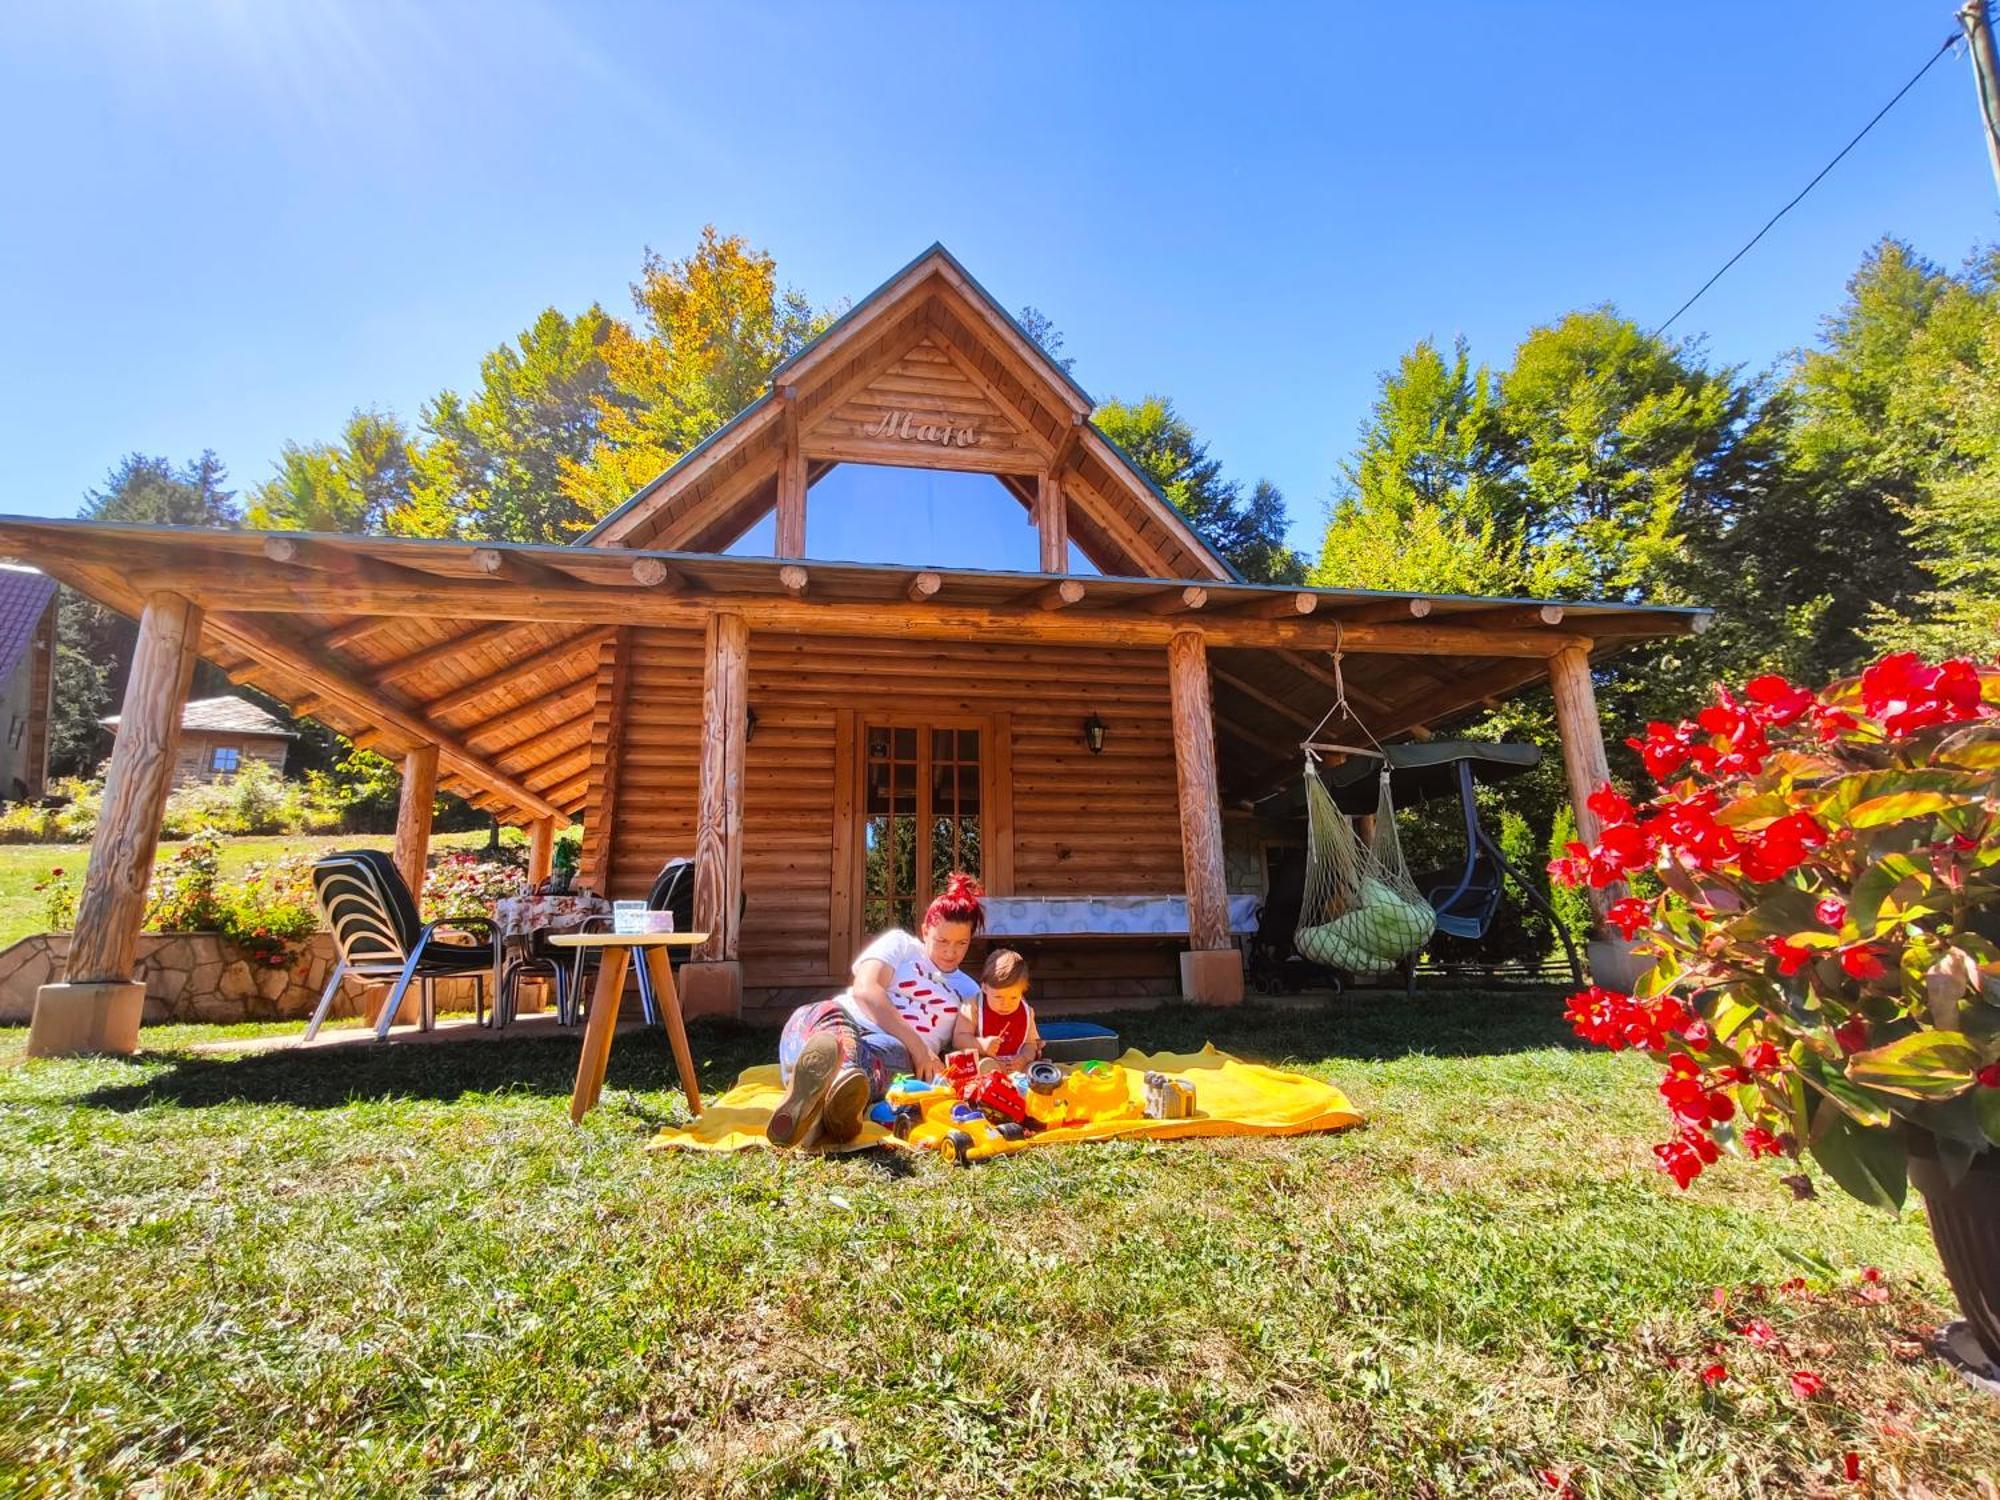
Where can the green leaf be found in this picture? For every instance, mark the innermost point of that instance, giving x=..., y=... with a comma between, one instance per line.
x=1870, y=1164
x=1987, y=1103
x=1784, y=909
x=1730, y=1017
x=1922, y=1065
x=1875, y=885
x=1983, y=755
x=1766, y=807
x=1900, y=807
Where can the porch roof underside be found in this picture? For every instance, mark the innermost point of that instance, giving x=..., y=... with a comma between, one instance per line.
x=492, y=651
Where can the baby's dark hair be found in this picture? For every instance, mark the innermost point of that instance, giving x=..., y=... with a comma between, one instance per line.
x=1004, y=969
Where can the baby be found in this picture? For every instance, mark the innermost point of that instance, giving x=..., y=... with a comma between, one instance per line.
x=999, y=1025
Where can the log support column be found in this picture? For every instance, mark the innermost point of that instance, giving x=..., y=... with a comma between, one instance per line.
x=97, y=1006
x=414, y=804
x=1587, y=769
x=791, y=512
x=1212, y=968
x=541, y=851
x=713, y=985
x=1052, y=522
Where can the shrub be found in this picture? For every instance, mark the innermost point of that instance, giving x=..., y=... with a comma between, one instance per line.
x=1825, y=972
x=460, y=886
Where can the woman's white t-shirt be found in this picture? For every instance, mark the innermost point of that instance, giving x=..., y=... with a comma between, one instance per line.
x=927, y=997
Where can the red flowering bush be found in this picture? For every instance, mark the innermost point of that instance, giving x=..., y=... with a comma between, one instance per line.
x=1825, y=972
x=463, y=885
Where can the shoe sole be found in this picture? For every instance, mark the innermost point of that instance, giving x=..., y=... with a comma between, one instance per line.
x=805, y=1097
x=846, y=1104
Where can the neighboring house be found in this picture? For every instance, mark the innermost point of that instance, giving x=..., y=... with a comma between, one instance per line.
x=219, y=736
x=27, y=672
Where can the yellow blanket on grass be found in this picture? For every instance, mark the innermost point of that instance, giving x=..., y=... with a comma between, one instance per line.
x=1232, y=1097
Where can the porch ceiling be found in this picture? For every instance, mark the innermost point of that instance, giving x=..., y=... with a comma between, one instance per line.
x=493, y=651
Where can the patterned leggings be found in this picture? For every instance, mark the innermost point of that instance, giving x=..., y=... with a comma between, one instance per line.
x=880, y=1057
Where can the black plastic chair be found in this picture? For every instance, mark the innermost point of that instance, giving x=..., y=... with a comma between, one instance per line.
x=382, y=939
x=673, y=890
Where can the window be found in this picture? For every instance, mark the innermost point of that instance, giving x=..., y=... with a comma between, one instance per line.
x=222, y=760
x=920, y=817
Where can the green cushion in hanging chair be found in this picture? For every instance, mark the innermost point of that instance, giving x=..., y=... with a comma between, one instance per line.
x=1377, y=933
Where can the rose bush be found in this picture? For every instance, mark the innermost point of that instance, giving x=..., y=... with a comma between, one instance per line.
x=1824, y=969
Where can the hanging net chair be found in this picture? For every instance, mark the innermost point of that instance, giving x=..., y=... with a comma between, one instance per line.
x=1361, y=912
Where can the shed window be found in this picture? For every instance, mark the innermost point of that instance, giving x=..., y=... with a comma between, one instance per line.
x=223, y=759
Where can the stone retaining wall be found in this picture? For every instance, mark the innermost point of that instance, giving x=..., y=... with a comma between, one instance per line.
x=196, y=976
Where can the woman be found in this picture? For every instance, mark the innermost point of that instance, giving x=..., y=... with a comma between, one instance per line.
x=838, y=1055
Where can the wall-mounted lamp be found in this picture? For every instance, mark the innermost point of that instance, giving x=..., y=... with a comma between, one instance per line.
x=1093, y=734
x=749, y=725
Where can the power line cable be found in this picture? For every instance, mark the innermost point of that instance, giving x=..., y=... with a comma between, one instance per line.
x=1949, y=42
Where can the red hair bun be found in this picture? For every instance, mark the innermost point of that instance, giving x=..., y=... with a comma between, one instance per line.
x=962, y=901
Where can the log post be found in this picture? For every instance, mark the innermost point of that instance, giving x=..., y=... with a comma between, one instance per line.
x=1587, y=769
x=1212, y=969
x=1052, y=522
x=541, y=850
x=414, y=802
x=715, y=984
x=98, y=1005
x=791, y=523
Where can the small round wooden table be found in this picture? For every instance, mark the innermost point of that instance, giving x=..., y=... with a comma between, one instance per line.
x=610, y=990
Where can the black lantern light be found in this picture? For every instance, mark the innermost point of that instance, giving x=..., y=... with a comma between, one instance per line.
x=749, y=725
x=1093, y=734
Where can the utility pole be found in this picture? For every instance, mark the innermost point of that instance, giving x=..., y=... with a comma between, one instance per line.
x=1978, y=26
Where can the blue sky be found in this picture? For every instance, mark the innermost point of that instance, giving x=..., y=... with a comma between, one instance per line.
x=229, y=222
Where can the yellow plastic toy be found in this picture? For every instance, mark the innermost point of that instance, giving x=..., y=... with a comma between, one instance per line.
x=1096, y=1091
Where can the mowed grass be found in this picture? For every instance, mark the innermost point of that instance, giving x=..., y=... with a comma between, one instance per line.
x=24, y=866
x=402, y=1271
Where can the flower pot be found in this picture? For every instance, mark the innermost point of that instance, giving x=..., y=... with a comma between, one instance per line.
x=1965, y=1223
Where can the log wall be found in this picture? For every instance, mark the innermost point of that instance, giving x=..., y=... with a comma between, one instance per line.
x=1082, y=824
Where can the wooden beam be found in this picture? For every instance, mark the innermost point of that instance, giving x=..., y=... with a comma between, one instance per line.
x=1292, y=606
x=1325, y=678
x=451, y=649
x=791, y=529
x=1021, y=418
x=1384, y=613
x=1175, y=601
x=718, y=857
x=135, y=795
x=1257, y=695
x=354, y=632
x=652, y=573
x=570, y=694
x=495, y=562
x=792, y=579
x=555, y=656
x=1066, y=446
x=415, y=800
x=1057, y=595
x=607, y=738
x=924, y=587
x=1518, y=614
x=372, y=706
x=1200, y=802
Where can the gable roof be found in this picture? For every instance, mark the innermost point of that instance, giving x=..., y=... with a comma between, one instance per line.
x=723, y=485
x=24, y=597
x=225, y=716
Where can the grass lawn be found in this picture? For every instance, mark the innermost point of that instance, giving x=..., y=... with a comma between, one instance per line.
x=23, y=866
x=403, y=1271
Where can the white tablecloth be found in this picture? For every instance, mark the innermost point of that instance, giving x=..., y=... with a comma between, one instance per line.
x=1091, y=916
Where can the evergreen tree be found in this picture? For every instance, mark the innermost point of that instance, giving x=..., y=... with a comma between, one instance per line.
x=358, y=483
x=1249, y=533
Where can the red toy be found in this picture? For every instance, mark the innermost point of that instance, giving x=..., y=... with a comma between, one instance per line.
x=995, y=1096
x=960, y=1068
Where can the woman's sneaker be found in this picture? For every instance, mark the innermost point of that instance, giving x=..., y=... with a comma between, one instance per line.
x=846, y=1107
x=796, y=1119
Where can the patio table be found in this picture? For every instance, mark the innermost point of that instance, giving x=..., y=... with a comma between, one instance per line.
x=617, y=949
x=516, y=919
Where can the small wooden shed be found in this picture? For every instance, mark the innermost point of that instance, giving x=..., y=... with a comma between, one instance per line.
x=219, y=736
x=827, y=738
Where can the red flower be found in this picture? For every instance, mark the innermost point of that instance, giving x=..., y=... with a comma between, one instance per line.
x=1686, y=826
x=1850, y=1466
x=1714, y=1375
x=1791, y=956
x=1832, y=911
x=1852, y=1034
x=1762, y=1057
x=1777, y=701
x=1806, y=1385
x=1664, y=748
x=1759, y=1142
x=1783, y=847
x=1679, y=1161
x=1988, y=1077
x=1609, y=805
x=1630, y=916
x=1831, y=723
x=1862, y=962
x=1871, y=1273
x=1735, y=744
x=1904, y=695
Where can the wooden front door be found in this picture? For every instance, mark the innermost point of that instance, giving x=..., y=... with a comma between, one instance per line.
x=922, y=795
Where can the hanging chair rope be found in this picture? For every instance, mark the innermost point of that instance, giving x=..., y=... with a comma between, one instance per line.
x=1362, y=913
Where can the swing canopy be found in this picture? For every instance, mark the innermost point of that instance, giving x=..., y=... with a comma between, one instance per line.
x=1423, y=772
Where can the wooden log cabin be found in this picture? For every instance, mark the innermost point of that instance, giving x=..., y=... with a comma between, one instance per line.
x=826, y=738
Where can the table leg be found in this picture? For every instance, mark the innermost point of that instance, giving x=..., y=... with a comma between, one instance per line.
x=597, y=1035
x=661, y=967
